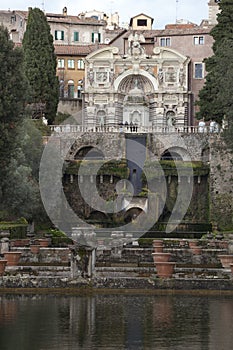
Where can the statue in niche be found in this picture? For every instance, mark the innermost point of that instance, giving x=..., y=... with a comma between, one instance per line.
x=90, y=76
x=171, y=120
x=160, y=76
x=111, y=76
x=181, y=76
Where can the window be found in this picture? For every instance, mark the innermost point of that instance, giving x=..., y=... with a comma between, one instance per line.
x=13, y=19
x=96, y=37
x=60, y=63
x=198, y=40
x=80, y=64
x=142, y=22
x=198, y=71
x=165, y=42
x=59, y=35
x=76, y=36
x=70, y=64
x=70, y=89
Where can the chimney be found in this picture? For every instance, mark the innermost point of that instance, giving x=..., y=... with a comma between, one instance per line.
x=64, y=11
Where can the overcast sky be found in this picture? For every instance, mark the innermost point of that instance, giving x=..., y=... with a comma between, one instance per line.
x=163, y=11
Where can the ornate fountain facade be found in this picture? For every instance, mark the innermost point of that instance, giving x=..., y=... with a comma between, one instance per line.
x=149, y=91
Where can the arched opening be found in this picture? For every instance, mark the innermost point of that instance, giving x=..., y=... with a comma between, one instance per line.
x=176, y=153
x=136, y=91
x=171, y=155
x=132, y=214
x=97, y=217
x=89, y=153
x=70, y=89
x=205, y=155
x=171, y=119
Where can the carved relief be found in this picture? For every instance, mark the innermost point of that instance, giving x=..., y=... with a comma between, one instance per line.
x=101, y=77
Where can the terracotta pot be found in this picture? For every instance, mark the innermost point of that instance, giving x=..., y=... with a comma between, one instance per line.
x=157, y=242
x=158, y=248
x=223, y=244
x=193, y=243
x=226, y=260
x=161, y=257
x=196, y=250
x=44, y=242
x=20, y=242
x=165, y=269
x=12, y=258
x=231, y=267
x=2, y=266
x=35, y=248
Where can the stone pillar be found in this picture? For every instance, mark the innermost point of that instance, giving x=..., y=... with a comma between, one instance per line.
x=91, y=262
x=4, y=245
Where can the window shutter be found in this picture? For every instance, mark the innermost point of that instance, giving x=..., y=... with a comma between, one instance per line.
x=76, y=36
x=62, y=35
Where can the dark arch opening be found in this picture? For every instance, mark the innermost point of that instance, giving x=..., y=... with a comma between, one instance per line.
x=89, y=153
x=171, y=155
x=132, y=214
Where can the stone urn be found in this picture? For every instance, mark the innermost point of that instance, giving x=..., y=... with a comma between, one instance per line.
x=44, y=242
x=226, y=260
x=12, y=258
x=165, y=269
x=2, y=266
x=35, y=248
x=161, y=257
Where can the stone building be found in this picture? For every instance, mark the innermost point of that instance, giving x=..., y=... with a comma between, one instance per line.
x=66, y=29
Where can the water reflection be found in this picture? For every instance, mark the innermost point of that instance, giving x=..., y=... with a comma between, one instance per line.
x=111, y=322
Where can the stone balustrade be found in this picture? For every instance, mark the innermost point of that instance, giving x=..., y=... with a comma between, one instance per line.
x=58, y=129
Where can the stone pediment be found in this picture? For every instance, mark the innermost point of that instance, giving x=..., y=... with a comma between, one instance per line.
x=165, y=53
x=105, y=53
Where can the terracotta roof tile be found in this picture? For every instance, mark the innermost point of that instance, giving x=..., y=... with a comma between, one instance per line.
x=171, y=31
x=77, y=50
x=53, y=17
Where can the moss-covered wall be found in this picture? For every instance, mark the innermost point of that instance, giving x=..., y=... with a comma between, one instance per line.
x=212, y=166
x=221, y=184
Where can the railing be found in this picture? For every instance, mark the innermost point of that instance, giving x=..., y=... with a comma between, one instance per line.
x=57, y=129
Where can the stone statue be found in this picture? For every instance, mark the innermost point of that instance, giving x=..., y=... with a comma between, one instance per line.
x=135, y=48
x=90, y=76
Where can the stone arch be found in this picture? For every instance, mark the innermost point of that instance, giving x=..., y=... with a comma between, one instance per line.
x=175, y=153
x=89, y=152
x=150, y=81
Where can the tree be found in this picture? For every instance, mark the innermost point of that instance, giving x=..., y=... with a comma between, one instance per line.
x=13, y=90
x=19, y=191
x=216, y=99
x=40, y=64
